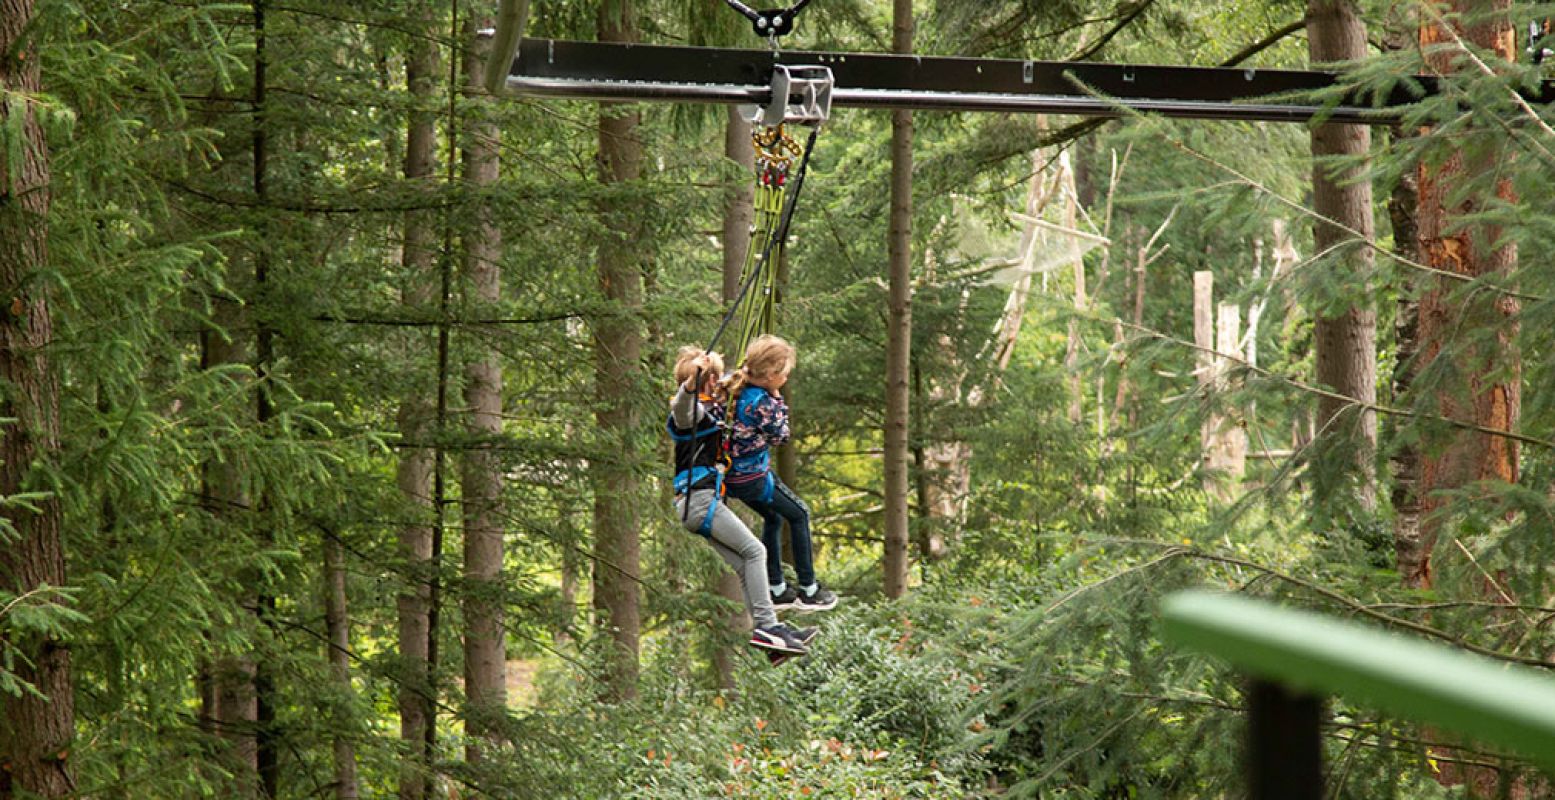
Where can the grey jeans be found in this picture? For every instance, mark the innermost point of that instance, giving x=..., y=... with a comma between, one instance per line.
x=738, y=547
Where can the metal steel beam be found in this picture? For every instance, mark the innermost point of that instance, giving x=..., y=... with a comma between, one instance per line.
x=631, y=72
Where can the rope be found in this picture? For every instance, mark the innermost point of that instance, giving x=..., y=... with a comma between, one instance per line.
x=770, y=195
x=759, y=316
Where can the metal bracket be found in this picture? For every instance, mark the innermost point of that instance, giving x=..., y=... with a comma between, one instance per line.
x=770, y=23
x=800, y=95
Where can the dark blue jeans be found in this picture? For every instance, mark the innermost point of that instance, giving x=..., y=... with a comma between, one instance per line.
x=782, y=505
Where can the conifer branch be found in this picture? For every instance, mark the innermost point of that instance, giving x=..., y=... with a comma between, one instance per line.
x=1484, y=69
x=1266, y=42
x=1321, y=392
x=1357, y=236
x=1117, y=27
x=302, y=208
x=403, y=322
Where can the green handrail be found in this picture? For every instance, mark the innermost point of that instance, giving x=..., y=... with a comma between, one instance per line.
x=1495, y=703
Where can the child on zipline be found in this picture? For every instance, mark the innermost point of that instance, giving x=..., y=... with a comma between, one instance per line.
x=758, y=419
x=695, y=423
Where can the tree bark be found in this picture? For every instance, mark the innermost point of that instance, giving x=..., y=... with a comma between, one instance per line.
x=1204, y=367
x=1475, y=332
x=738, y=210
x=266, y=746
x=337, y=623
x=618, y=341
x=1230, y=457
x=418, y=459
x=36, y=737
x=1222, y=440
x=738, y=214
x=899, y=328
x=229, y=707
x=1069, y=217
x=1408, y=506
x=1488, y=392
x=485, y=652
x=1345, y=344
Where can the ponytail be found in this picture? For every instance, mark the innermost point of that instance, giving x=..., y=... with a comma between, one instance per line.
x=734, y=384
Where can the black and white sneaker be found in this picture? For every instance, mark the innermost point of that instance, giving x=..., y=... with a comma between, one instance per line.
x=788, y=599
x=778, y=638
x=806, y=635
x=822, y=600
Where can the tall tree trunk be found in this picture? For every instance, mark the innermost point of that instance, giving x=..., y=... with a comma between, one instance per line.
x=266, y=747
x=899, y=328
x=1069, y=217
x=1408, y=505
x=1488, y=393
x=1346, y=342
x=485, y=654
x=738, y=210
x=1216, y=332
x=1204, y=367
x=228, y=704
x=738, y=213
x=1476, y=331
x=35, y=739
x=1231, y=453
x=337, y=623
x=417, y=459
x=618, y=341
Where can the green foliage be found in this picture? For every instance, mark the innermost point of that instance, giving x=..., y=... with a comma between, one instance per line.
x=1026, y=660
x=874, y=679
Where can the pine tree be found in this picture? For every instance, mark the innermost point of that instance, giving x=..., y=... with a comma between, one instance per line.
x=417, y=425
x=481, y=478
x=1468, y=336
x=36, y=740
x=899, y=327
x=618, y=341
x=1345, y=332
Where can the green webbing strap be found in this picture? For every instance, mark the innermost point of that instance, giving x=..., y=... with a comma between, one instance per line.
x=756, y=305
x=758, y=309
x=774, y=212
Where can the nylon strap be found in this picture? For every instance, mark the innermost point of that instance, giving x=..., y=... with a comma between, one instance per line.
x=777, y=194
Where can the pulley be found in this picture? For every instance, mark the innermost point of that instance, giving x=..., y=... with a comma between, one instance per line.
x=800, y=96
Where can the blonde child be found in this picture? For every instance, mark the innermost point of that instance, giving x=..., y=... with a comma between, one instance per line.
x=696, y=426
x=758, y=419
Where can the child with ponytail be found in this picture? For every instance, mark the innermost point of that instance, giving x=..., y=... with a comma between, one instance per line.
x=695, y=425
x=758, y=419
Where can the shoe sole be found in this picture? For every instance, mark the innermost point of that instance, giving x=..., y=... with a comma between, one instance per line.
x=770, y=649
x=805, y=608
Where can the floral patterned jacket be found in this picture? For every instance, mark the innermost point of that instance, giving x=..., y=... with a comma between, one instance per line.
x=759, y=421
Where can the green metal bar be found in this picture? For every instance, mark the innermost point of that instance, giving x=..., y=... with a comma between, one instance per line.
x=1499, y=704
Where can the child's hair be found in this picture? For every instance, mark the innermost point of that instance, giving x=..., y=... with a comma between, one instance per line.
x=766, y=356
x=686, y=368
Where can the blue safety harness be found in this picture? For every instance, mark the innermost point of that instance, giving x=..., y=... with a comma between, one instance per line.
x=696, y=460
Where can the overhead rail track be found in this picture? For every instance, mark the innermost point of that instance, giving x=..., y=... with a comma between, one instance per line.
x=638, y=72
